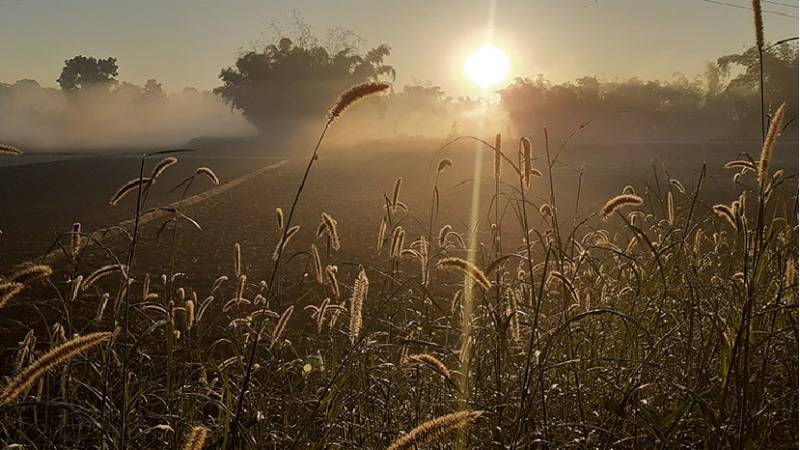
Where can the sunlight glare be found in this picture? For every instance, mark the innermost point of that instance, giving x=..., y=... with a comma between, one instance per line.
x=487, y=66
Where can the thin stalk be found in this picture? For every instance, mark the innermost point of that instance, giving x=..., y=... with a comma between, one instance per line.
x=126, y=306
x=253, y=348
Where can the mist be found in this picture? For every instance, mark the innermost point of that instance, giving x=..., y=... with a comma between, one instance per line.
x=39, y=118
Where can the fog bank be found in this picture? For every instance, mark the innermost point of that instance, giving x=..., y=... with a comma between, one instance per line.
x=33, y=117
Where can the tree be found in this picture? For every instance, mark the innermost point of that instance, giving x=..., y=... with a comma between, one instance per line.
x=81, y=72
x=153, y=93
x=283, y=85
x=780, y=78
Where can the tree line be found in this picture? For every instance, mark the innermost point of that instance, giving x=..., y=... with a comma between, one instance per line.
x=284, y=85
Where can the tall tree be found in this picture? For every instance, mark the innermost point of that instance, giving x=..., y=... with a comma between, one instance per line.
x=286, y=83
x=82, y=71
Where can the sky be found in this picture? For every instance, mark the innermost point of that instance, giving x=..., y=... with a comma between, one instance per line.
x=187, y=42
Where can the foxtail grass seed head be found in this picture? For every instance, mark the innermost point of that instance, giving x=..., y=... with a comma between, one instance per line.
x=758, y=22
x=467, y=268
x=619, y=202
x=59, y=355
x=32, y=273
x=317, y=264
x=240, y=288
x=725, y=212
x=279, y=219
x=196, y=439
x=398, y=238
x=525, y=156
x=428, y=360
x=25, y=350
x=381, y=236
x=433, y=430
x=9, y=150
x=424, y=254
x=280, y=326
x=162, y=165
x=190, y=314
x=208, y=173
x=398, y=183
x=444, y=163
x=8, y=291
x=237, y=259
x=101, y=273
x=677, y=185
x=769, y=144
x=354, y=94
x=127, y=188
x=284, y=242
x=741, y=164
x=329, y=224
x=443, y=233
x=360, y=288
x=331, y=271
x=670, y=209
x=75, y=240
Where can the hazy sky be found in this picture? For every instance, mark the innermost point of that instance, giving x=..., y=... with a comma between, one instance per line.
x=186, y=43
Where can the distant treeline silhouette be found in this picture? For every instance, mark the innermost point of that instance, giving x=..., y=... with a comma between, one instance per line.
x=286, y=86
x=722, y=104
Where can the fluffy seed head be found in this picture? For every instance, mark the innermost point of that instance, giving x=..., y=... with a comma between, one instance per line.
x=398, y=183
x=429, y=361
x=398, y=238
x=742, y=164
x=237, y=259
x=467, y=268
x=280, y=326
x=102, y=272
x=329, y=225
x=284, y=241
x=6, y=149
x=209, y=174
x=758, y=21
x=196, y=438
x=32, y=273
x=360, y=288
x=433, y=430
x=525, y=161
x=8, y=291
x=354, y=94
x=162, y=166
x=55, y=357
x=444, y=163
x=769, y=144
x=75, y=239
x=279, y=219
x=726, y=212
x=620, y=201
x=127, y=188
x=443, y=233
x=381, y=236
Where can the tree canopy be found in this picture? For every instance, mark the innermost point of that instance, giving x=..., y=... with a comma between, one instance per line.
x=82, y=71
x=287, y=82
x=722, y=104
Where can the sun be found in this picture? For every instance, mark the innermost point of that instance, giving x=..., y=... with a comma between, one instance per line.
x=487, y=66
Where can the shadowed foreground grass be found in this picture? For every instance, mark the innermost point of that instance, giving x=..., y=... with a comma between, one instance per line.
x=658, y=319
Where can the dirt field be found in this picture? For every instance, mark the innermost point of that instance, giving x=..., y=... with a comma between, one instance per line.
x=43, y=199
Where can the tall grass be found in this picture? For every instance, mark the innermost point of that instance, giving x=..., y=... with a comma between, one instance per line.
x=656, y=320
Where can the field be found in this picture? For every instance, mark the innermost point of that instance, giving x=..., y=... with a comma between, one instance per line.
x=665, y=325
